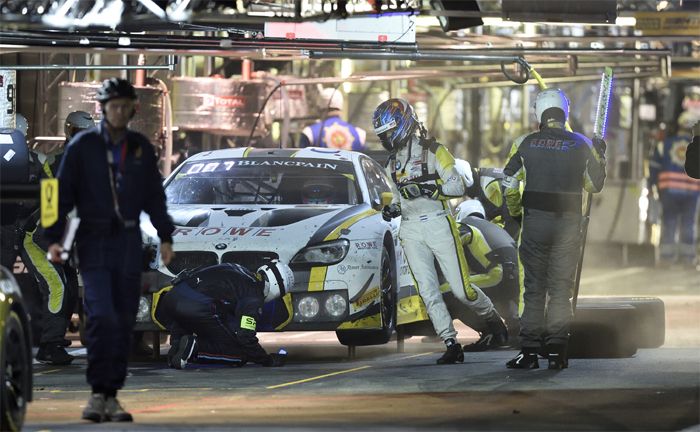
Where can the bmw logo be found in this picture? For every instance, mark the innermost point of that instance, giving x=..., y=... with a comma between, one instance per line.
x=398, y=165
x=221, y=246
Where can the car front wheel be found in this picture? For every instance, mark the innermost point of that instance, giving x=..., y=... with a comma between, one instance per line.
x=15, y=369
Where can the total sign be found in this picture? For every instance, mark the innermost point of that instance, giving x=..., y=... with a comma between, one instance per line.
x=8, y=78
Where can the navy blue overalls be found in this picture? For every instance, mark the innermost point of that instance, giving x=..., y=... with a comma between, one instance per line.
x=109, y=240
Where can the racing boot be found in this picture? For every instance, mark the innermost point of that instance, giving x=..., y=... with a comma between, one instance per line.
x=185, y=351
x=95, y=408
x=526, y=359
x=115, y=412
x=453, y=354
x=557, y=357
x=53, y=354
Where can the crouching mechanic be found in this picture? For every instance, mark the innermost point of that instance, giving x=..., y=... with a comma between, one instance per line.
x=492, y=257
x=424, y=172
x=212, y=312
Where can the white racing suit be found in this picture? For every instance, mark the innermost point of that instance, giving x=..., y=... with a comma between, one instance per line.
x=428, y=231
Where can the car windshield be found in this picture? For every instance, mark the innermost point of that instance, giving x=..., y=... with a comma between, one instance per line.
x=264, y=181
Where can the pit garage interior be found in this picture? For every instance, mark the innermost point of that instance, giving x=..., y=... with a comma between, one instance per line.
x=228, y=74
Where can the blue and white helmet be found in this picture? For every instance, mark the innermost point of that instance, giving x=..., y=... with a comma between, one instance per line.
x=395, y=122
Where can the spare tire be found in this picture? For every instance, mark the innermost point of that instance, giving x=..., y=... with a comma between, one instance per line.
x=603, y=329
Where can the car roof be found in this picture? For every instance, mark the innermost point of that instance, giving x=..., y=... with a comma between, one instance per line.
x=253, y=152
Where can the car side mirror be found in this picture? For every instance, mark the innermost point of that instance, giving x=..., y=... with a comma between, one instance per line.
x=387, y=198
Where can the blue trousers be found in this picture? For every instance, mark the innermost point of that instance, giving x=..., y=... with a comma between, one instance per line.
x=680, y=214
x=111, y=269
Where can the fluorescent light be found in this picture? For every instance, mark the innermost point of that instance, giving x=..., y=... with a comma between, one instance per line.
x=626, y=21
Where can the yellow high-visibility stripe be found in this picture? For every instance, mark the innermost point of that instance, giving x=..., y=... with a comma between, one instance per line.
x=154, y=305
x=462, y=260
x=47, y=169
x=38, y=258
x=317, y=276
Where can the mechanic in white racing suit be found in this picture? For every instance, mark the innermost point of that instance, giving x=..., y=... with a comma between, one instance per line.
x=424, y=173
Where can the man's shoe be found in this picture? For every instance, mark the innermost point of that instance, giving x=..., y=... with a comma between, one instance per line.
x=556, y=355
x=452, y=355
x=54, y=354
x=114, y=411
x=486, y=342
x=525, y=359
x=186, y=350
x=95, y=408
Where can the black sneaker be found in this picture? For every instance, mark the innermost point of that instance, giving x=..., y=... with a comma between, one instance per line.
x=54, y=354
x=452, y=355
x=486, y=342
x=524, y=360
x=186, y=350
x=556, y=355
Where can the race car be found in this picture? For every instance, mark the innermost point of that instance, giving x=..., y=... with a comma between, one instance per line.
x=318, y=210
x=15, y=354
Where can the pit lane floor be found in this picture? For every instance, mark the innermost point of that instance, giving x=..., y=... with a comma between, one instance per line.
x=380, y=389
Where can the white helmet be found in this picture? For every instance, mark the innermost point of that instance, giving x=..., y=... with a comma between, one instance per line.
x=686, y=120
x=21, y=124
x=77, y=121
x=465, y=171
x=332, y=99
x=278, y=277
x=471, y=207
x=551, y=98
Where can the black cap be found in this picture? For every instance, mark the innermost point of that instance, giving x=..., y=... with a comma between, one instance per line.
x=114, y=88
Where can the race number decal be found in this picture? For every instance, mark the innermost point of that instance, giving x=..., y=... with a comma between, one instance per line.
x=248, y=323
x=7, y=98
x=49, y=202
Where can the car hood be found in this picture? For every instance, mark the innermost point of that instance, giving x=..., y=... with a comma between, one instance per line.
x=283, y=229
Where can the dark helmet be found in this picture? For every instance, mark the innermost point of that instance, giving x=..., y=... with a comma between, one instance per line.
x=394, y=122
x=114, y=88
x=77, y=121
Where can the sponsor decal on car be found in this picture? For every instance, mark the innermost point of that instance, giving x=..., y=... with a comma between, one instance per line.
x=368, y=297
x=230, y=231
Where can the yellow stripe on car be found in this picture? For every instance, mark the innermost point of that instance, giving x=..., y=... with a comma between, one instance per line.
x=287, y=300
x=247, y=151
x=317, y=276
x=374, y=321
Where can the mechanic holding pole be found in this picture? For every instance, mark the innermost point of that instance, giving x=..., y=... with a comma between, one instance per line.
x=58, y=282
x=555, y=165
x=110, y=174
x=212, y=313
x=424, y=172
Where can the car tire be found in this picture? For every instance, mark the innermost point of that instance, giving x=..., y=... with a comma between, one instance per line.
x=603, y=329
x=651, y=319
x=15, y=373
x=387, y=306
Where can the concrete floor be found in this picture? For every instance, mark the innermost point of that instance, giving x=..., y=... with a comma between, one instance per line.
x=322, y=389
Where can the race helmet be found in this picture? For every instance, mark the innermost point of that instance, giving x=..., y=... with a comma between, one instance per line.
x=686, y=120
x=395, y=122
x=332, y=99
x=21, y=124
x=465, y=171
x=551, y=98
x=115, y=88
x=278, y=278
x=316, y=192
x=77, y=121
x=471, y=207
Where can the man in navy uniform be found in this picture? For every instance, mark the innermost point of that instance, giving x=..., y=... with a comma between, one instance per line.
x=110, y=174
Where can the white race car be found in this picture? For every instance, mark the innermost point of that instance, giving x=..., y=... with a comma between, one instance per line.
x=318, y=210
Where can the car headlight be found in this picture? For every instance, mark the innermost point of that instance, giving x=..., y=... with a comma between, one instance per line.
x=308, y=307
x=144, y=312
x=336, y=305
x=327, y=253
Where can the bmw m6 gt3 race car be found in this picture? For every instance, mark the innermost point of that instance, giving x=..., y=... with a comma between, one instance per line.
x=318, y=210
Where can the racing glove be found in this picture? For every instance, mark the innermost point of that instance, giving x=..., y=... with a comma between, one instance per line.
x=276, y=360
x=391, y=211
x=414, y=190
